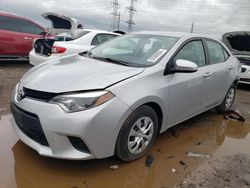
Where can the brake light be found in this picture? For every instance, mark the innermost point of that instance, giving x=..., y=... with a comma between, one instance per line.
x=58, y=50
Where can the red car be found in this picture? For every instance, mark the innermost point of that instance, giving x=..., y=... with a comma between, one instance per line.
x=16, y=36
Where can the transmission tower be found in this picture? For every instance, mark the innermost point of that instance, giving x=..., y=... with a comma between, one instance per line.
x=131, y=10
x=116, y=15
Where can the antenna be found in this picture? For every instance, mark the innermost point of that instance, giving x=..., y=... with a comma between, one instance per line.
x=131, y=10
x=116, y=15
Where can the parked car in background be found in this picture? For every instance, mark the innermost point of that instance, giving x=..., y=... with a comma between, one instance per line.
x=116, y=98
x=239, y=44
x=68, y=39
x=16, y=36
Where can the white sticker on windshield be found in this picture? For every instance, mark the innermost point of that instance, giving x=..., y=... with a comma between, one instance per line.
x=157, y=55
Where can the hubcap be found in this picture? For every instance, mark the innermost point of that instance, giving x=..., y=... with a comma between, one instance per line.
x=140, y=135
x=230, y=98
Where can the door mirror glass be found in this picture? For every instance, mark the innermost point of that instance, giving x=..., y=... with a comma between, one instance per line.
x=182, y=65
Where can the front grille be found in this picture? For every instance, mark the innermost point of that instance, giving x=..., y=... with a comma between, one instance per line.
x=245, y=79
x=29, y=124
x=41, y=95
x=78, y=144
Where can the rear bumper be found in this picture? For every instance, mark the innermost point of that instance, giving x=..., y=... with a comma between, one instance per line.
x=36, y=59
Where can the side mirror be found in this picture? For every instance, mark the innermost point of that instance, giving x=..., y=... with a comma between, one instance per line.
x=182, y=65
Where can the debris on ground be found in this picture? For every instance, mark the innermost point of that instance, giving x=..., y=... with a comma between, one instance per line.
x=171, y=157
x=173, y=170
x=149, y=161
x=114, y=167
x=234, y=116
x=198, y=144
x=182, y=163
x=174, y=134
x=198, y=155
x=158, y=150
x=2, y=109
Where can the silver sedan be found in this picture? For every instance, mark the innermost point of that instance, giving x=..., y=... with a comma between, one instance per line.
x=116, y=98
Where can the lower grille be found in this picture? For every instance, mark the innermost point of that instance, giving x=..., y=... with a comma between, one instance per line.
x=245, y=79
x=78, y=144
x=29, y=124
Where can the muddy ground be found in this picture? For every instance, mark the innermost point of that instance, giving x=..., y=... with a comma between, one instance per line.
x=226, y=142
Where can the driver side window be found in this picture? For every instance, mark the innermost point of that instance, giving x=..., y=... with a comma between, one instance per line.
x=192, y=51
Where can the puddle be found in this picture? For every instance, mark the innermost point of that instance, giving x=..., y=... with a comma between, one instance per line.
x=208, y=133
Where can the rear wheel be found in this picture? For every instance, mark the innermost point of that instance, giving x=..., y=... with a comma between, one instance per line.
x=227, y=103
x=137, y=134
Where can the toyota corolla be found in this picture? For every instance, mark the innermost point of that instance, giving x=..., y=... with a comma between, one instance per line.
x=116, y=98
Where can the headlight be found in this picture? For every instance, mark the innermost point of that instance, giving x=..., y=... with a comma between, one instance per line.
x=81, y=101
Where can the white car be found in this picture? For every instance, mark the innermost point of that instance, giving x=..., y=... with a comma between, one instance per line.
x=245, y=68
x=238, y=43
x=68, y=39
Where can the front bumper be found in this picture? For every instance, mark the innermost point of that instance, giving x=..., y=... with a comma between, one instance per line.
x=98, y=128
x=245, y=74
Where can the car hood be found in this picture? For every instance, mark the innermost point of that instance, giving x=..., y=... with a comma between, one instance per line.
x=76, y=73
x=238, y=42
x=60, y=23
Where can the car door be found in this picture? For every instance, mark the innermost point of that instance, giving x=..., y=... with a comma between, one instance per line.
x=189, y=92
x=222, y=68
x=30, y=31
x=10, y=36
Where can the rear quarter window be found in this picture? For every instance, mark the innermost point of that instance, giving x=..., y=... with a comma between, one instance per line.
x=216, y=52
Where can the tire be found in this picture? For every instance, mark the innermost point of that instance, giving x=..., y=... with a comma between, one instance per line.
x=129, y=145
x=228, y=101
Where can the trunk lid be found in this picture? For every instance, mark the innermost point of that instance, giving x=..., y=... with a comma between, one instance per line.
x=60, y=23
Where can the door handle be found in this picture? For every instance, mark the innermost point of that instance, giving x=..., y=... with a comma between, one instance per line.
x=27, y=38
x=207, y=75
x=231, y=67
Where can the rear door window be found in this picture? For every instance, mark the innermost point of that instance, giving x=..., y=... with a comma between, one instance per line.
x=192, y=51
x=29, y=27
x=216, y=52
x=9, y=24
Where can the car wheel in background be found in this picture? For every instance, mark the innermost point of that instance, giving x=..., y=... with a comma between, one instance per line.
x=137, y=134
x=227, y=103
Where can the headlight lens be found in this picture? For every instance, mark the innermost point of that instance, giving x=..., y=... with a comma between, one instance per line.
x=81, y=101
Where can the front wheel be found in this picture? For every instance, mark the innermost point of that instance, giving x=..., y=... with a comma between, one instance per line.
x=227, y=103
x=137, y=134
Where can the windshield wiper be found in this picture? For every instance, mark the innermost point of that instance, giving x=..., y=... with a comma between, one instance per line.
x=110, y=60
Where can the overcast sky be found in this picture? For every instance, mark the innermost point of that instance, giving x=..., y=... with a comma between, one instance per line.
x=209, y=16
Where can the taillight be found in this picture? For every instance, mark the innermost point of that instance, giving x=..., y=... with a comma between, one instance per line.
x=58, y=50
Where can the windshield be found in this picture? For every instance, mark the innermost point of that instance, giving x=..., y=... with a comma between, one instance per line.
x=135, y=49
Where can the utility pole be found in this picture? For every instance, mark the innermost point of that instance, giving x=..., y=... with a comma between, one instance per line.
x=131, y=10
x=116, y=15
x=192, y=28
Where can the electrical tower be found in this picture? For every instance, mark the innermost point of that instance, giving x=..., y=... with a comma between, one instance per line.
x=131, y=10
x=116, y=15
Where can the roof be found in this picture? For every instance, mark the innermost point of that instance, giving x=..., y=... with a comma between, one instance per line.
x=102, y=31
x=174, y=34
